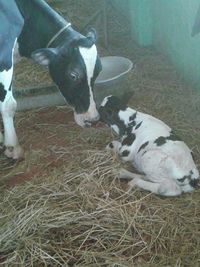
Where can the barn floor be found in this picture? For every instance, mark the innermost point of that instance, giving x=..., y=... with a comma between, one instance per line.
x=63, y=205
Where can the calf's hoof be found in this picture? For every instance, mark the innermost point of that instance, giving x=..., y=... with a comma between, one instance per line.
x=14, y=152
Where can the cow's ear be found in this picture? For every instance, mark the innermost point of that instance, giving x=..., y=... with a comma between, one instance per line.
x=44, y=56
x=92, y=35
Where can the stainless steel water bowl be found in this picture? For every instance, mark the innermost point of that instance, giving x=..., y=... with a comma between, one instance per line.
x=113, y=78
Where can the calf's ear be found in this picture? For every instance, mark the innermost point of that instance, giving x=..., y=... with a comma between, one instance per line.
x=44, y=56
x=92, y=35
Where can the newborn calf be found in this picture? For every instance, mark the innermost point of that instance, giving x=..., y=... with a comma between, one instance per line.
x=164, y=161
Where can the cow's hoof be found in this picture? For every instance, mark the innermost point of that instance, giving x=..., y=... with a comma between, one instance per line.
x=14, y=152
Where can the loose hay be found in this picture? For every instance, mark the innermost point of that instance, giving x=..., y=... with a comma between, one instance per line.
x=85, y=218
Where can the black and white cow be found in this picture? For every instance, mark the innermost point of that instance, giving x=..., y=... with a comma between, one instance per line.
x=30, y=28
x=164, y=161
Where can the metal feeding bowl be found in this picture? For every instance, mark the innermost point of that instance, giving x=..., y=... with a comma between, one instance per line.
x=113, y=79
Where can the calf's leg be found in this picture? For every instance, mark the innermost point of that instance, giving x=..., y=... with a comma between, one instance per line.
x=166, y=187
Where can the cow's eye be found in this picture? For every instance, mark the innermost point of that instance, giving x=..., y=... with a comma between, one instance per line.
x=74, y=76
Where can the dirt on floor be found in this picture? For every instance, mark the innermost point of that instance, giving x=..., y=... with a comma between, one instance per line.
x=62, y=204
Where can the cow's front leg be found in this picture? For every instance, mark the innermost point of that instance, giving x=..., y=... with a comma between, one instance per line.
x=12, y=147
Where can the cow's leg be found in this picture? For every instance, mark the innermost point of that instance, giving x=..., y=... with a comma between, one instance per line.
x=12, y=148
x=7, y=107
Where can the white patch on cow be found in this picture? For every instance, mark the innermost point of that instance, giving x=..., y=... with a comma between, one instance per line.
x=16, y=55
x=7, y=109
x=89, y=56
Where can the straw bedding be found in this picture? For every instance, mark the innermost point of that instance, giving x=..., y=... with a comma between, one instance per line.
x=63, y=204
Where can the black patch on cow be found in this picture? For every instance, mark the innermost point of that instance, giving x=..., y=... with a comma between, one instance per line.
x=128, y=141
x=10, y=87
x=111, y=145
x=138, y=125
x=2, y=92
x=143, y=146
x=160, y=141
x=125, y=153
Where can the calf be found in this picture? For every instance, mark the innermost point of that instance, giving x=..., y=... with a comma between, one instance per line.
x=32, y=29
x=164, y=161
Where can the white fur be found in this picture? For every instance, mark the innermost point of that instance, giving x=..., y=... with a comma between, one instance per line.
x=161, y=166
x=89, y=56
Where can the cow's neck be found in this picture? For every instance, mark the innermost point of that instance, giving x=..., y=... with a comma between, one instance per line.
x=41, y=23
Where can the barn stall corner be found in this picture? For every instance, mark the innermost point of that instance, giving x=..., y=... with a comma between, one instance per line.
x=63, y=205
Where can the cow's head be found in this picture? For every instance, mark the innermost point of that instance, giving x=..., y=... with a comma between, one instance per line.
x=74, y=66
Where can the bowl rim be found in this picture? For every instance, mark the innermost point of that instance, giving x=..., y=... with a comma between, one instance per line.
x=119, y=75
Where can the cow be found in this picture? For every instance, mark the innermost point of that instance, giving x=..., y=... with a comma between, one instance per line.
x=32, y=29
x=165, y=163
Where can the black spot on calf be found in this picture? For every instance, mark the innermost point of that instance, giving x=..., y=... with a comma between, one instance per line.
x=163, y=139
x=138, y=125
x=2, y=92
x=128, y=141
x=133, y=117
x=125, y=153
x=160, y=141
x=143, y=146
x=181, y=180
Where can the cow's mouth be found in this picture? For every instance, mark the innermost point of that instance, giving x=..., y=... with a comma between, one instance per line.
x=85, y=122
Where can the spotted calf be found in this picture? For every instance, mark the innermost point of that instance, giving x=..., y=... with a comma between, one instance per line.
x=165, y=162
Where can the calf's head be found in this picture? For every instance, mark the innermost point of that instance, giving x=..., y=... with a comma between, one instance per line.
x=113, y=112
x=74, y=66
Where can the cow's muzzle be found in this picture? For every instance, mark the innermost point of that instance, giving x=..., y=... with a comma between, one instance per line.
x=84, y=120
